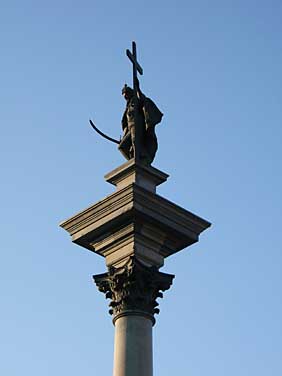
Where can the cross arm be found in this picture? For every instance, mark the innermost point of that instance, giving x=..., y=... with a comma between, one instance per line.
x=134, y=62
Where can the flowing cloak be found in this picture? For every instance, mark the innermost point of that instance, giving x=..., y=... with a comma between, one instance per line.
x=152, y=116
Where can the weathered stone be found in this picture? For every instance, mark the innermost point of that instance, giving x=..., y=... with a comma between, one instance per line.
x=133, y=355
x=133, y=288
x=135, y=221
x=147, y=177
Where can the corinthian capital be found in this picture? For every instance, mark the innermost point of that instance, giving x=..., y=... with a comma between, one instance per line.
x=133, y=288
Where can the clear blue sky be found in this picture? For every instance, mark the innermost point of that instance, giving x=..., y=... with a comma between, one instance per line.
x=214, y=69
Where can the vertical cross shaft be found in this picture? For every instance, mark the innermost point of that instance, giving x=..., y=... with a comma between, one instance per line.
x=136, y=68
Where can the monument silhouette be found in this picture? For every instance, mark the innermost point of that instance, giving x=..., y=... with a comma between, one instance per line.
x=135, y=230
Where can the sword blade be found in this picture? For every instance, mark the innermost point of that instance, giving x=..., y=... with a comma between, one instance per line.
x=103, y=134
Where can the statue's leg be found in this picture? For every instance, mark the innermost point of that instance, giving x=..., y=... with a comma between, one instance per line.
x=132, y=146
x=125, y=145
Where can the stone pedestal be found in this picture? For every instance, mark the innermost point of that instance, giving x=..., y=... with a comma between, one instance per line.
x=135, y=229
x=134, y=220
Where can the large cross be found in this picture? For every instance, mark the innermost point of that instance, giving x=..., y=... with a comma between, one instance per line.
x=136, y=67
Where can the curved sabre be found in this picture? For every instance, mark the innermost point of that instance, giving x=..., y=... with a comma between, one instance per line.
x=103, y=134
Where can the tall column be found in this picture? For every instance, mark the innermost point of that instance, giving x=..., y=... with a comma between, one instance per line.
x=133, y=290
x=135, y=230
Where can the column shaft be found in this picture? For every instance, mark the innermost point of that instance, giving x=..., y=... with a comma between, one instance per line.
x=133, y=346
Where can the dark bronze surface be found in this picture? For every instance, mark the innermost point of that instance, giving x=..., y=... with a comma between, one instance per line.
x=141, y=115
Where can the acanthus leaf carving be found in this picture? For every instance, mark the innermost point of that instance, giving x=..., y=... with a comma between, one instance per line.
x=133, y=287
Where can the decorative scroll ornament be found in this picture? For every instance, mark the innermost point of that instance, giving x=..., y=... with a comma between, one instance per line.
x=133, y=287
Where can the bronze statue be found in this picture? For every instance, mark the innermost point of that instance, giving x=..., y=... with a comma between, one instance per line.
x=140, y=117
x=138, y=123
